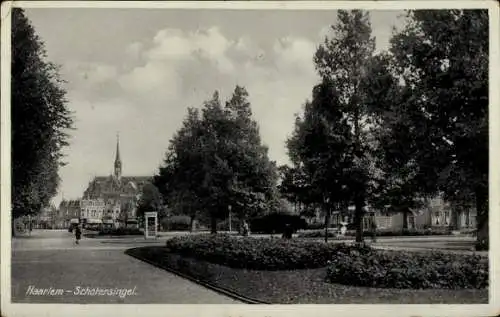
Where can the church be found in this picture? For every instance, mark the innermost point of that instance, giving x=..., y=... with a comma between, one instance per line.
x=112, y=199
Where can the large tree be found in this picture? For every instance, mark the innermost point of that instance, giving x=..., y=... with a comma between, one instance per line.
x=149, y=200
x=344, y=59
x=40, y=120
x=441, y=59
x=322, y=146
x=216, y=160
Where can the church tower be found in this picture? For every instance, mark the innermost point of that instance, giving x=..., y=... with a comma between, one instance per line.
x=118, y=162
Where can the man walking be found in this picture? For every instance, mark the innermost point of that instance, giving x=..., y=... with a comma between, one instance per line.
x=78, y=234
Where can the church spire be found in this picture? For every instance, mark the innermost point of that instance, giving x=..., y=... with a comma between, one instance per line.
x=118, y=162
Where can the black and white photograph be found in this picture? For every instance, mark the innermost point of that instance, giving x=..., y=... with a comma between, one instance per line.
x=247, y=153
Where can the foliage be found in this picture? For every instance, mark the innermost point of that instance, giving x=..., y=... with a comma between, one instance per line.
x=482, y=245
x=322, y=146
x=216, y=160
x=177, y=223
x=120, y=232
x=255, y=253
x=276, y=223
x=407, y=232
x=396, y=269
x=305, y=286
x=40, y=120
x=150, y=200
x=331, y=143
x=441, y=59
x=317, y=234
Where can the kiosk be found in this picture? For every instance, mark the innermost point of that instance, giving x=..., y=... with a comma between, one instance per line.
x=151, y=225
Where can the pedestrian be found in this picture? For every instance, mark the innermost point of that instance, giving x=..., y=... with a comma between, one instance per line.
x=246, y=229
x=374, y=230
x=78, y=234
x=287, y=232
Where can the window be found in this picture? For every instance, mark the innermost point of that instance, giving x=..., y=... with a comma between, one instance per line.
x=436, y=218
x=446, y=217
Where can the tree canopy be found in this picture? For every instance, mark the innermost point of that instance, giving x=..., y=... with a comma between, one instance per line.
x=217, y=160
x=40, y=120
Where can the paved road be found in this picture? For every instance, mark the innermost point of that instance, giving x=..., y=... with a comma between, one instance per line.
x=50, y=259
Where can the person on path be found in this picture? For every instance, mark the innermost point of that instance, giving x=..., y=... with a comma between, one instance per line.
x=374, y=230
x=78, y=234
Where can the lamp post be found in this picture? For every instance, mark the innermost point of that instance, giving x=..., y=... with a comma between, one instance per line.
x=230, y=224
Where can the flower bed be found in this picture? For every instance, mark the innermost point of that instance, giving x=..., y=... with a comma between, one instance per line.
x=257, y=254
x=396, y=269
x=305, y=286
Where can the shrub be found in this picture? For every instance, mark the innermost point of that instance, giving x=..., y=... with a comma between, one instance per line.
x=121, y=231
x=317, y=234
x=404, y=232
x=315, y=226
x=396, y=269
x=177, y=223
x=256, y=254
x=224, y=225
x=482, y=245
x=276, y=222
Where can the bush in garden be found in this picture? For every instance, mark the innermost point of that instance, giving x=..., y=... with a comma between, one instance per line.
x=178, y=223
x=121, y=231
x=276, y=222
x=256, y=254
x=317, y=234
x=396, y=269
x=482, y=245
x=405, y=232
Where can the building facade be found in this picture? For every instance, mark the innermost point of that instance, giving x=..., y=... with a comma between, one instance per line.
x=69, y=212
x=113, y=199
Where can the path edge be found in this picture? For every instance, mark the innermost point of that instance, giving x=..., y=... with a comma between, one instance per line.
x=221, y=290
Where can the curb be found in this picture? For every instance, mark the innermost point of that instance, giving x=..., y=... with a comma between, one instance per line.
x=223, y=291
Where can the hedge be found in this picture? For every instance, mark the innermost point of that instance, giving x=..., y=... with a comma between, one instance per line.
x=317, y=234
x=405, y=232
x=396, y=269
x=254, y=253
x=276, y=223
x=177, y=223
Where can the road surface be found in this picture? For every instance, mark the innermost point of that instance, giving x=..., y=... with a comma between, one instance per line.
x=49, y=268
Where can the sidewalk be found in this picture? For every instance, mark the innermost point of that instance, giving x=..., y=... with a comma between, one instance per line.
x=53, y=262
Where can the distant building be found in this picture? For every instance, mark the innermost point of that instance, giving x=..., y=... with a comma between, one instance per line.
x=113, y=199
x=69, y=212
x=435, y=213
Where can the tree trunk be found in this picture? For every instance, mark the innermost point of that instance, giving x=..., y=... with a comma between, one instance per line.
x=213, y=224
x=13, y=224
x=327, y=222
x=482, y=215
x=405, y=219
x=191, y=224
x=358, y=220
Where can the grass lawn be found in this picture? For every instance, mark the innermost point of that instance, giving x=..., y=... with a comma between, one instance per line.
x=305, y=286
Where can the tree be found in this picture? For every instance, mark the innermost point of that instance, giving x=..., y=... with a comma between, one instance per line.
x=253, y=188
x=441, y=58
x=216, y=159
x=40, y=120
x=343, y=59
x=322, y=145
x=179, y=177
x=150, y=200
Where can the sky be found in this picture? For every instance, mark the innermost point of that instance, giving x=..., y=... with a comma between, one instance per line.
x=136, y=71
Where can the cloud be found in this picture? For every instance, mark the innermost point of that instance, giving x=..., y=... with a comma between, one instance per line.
x=147, y=100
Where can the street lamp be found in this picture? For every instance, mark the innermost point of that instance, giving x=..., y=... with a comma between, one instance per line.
x=230, y=225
